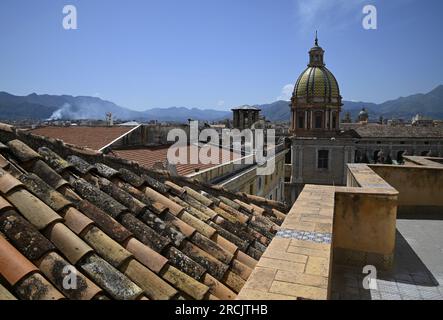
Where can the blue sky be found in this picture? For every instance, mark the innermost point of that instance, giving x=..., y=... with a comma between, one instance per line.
x=216, y=53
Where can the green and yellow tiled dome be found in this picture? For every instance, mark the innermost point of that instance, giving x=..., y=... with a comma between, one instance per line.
x=317, y=83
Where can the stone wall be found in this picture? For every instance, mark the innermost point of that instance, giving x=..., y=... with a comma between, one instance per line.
x=365, y=219
x=350, y=225
x=297, y=263
x=420, y=188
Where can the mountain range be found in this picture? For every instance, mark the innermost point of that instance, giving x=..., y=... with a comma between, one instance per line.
x=429, y=105
x=43, y=107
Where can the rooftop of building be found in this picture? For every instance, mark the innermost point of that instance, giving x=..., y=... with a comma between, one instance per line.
x=150, y=157
x=130, y=233
x=403, y=131
x=388, y=216
x=247, y=107
x=417, y=273
x=99, y=137
x=94, y=137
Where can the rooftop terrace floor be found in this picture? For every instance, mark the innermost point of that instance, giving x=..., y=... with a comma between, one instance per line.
x=418, y=270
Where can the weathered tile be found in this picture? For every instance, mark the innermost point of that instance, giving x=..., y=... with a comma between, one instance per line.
x=36, y=287
x=56, y=269
x=72, y=247
x=150, y=258
x=185, y=283
x=106, y=247
x=29, y=205
x=116, y=284
x=13, y=265
x=24, y=236
x=218, y=289
x=154, y=287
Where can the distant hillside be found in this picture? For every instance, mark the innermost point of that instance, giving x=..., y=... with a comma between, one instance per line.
x=429, y=104
x=42, y=107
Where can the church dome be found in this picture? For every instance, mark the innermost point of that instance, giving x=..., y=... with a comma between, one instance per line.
x=363, y=113
x=317, y=84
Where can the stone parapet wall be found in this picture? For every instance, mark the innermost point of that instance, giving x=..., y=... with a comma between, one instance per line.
x=297, y=263
x=353, y=225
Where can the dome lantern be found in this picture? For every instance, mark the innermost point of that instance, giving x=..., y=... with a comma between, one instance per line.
x=316, y=55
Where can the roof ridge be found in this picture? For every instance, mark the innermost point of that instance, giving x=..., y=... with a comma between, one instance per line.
x=67, y=149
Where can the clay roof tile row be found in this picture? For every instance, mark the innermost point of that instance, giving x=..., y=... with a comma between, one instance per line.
x=128, y=234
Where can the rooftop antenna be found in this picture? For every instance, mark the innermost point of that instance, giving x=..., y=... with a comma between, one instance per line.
x=316, y=38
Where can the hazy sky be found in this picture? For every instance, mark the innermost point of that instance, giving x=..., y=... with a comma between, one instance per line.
x=216, y=53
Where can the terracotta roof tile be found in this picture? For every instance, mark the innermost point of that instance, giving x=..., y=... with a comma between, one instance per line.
x=72, y=247
x=22, y=151
x=54, y=160
x=121, y=196
x=148, y=157
x=3, y=162
x=144, y=233
x=77, y=221
x=36, y=287
x=179, y=224
x=107, y=248
x=81, y=165
x=131, y=177
x=163, y=228
x=99, y=198
x=115, y=283
x=234, y=281
x=184, y=263
x=105, y=222
x=8, y=182
x=173, y=207
x=4, y=204
x=55, y=200
x=146, y=255
x=28, y=204
x=185, y=283
x=13, y=265
x=134, y=234
x=55, y=268
x=218, y=289
x=51, y=177
x=215, y=267
x=92, y=137
x=24, y=235
x=106, y=171
x=154, y=287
